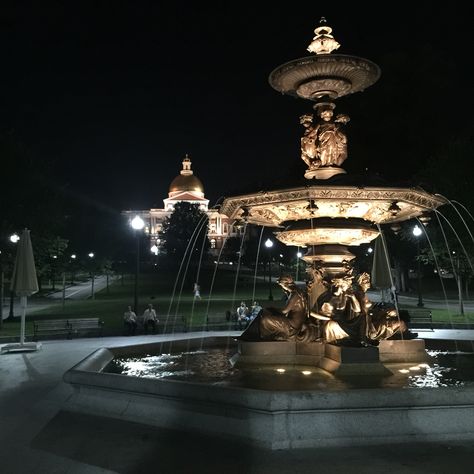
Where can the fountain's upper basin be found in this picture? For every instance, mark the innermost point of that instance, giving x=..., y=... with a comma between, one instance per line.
x=335, y=75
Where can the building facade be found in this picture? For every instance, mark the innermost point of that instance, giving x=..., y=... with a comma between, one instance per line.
x=186, y=187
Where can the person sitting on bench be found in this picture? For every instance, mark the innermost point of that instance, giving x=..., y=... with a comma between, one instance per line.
x=130, y=321
x=150, y=319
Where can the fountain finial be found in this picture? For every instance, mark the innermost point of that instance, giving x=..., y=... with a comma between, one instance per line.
x=323, y=42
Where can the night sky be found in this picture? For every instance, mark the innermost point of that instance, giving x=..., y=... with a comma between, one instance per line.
x=112, y=95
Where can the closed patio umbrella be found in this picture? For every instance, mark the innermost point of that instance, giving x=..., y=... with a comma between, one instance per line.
x=24, y=283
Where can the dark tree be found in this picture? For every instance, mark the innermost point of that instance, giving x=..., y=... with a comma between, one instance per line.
x=184, y=233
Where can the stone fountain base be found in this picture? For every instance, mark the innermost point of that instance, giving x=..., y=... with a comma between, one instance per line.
x=275, y=419
x=340, y=360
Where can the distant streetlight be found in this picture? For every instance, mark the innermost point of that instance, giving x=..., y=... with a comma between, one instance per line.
x=417, y=233
x=14, y=238
x=91, y=255
x=137, y=224
x=269, y=245
x=154, y=249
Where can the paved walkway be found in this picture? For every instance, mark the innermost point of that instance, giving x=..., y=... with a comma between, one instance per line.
x=37, y=436
x=78, y=291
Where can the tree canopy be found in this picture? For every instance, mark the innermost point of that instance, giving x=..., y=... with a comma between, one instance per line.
x=184, y=233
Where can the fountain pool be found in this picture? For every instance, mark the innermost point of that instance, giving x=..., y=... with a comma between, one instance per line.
x=212, y=366
x=269, y=408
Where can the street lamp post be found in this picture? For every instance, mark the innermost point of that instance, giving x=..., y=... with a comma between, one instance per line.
x=417, y=233
x=14, y=238
x=53, y=271
x=73, y=259
x=459, y=281
x=269, y=245
x=137, y=224
x=91, y=256
x=298, y=256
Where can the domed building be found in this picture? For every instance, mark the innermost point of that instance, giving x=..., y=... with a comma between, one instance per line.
x=186, y=187
x=189, y=188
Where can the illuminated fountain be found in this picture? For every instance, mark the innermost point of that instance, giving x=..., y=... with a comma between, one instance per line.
x=332, y=328
x=327, y=217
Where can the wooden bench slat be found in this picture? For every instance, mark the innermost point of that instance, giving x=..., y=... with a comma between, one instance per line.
x=66, y=326
x=51, y=326
x=421, y=316
x=85, y=324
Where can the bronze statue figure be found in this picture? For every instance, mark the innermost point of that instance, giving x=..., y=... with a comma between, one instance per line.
x=309, y=150
x=337, y=313
x=331, y=142
x=324, y=144
x=341, y=312
x=290, y=323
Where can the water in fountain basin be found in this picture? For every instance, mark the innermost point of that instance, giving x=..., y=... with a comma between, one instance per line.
x=212, y=366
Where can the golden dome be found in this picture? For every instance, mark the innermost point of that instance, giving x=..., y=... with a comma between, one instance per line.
x=186, y=181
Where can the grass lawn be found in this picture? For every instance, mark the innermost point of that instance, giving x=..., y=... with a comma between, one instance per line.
x=157, y=288
x=444, y=316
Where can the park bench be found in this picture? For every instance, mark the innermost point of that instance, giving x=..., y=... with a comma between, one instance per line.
x=50, y=327
x=216, y=318
x=420, y=318
x=85, y=325
x=217, y=321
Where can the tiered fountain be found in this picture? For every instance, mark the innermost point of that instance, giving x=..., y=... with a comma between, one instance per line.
x=327, y=217
x=331, y=328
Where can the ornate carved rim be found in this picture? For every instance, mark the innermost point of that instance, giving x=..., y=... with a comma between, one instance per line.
x=370, y=203
x=328, y=232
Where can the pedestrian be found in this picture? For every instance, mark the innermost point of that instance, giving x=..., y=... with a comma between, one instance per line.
x=150, y=319
x=197, y=291
x=130, y=321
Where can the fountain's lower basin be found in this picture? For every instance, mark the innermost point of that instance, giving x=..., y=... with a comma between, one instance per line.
x=276, y=419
